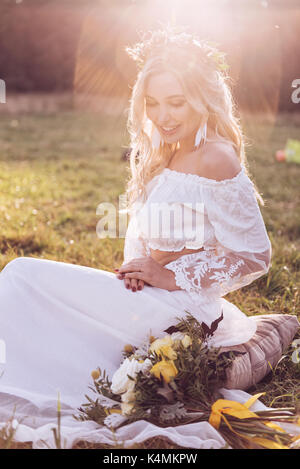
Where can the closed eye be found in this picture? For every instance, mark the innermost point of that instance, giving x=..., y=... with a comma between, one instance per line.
x=174, y=104
x=177, y=104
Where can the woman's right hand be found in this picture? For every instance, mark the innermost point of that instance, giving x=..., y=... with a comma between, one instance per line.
x=134, y=284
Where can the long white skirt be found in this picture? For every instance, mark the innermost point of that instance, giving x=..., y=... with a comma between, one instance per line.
x=59, y=321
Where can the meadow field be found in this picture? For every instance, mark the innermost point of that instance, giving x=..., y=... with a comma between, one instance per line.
x=55, y=168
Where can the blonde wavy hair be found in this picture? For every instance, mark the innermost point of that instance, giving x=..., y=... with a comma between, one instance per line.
x=201, y=69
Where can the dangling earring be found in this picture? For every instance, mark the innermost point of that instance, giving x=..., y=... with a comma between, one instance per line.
x=156, y=139
x=201, y=134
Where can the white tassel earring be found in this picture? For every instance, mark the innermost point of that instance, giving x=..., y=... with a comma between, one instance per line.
x=201, y=134
x=156, y=139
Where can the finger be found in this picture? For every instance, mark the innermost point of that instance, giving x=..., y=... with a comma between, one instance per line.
x=140, y=284
x=134, y=275
x=134, y=283
x=124, y=267
x=138, y=276
x=130, y=267
x=127, y=282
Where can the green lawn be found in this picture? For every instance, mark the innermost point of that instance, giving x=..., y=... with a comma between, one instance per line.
x=55, y=169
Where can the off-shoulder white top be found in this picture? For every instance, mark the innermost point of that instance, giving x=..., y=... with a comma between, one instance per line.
x=223, y=217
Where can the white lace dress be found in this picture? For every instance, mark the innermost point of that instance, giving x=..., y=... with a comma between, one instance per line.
x=59, y=321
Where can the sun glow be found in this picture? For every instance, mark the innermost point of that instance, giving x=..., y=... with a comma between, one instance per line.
x=104, y=74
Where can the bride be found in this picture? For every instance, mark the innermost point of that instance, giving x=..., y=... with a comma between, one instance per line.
x=59, y=321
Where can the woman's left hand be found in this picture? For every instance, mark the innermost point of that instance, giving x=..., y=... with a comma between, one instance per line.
x=153, y=273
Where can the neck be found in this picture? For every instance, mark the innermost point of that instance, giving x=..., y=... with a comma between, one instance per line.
x=187, y=145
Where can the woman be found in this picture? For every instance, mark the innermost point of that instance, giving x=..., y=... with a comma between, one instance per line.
x=59, y=321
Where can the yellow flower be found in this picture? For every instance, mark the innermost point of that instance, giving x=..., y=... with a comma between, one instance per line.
x=158, y=343
x=128, y=348
x=165, y=369
x=164, y=346
x=167, y=351
x=186, y=341
x=95, y=374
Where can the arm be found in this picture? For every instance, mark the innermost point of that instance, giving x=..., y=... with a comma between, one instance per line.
x=243, y=249
x=206, y=274
x=134, y=246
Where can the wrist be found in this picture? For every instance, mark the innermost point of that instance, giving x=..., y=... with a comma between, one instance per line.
x=171, y=281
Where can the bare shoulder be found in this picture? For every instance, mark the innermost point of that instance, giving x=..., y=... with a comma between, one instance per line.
x=219, y=161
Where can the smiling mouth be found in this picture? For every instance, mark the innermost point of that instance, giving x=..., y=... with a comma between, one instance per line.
x=169, y=130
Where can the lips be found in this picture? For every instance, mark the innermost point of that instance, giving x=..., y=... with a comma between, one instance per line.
x=169, y=132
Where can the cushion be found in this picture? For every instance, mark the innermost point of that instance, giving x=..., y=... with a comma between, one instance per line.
x=274, y=334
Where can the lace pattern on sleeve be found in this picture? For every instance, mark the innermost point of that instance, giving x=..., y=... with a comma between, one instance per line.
x=205, y=274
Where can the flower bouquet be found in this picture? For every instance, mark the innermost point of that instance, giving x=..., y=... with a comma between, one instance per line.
x=175, y=380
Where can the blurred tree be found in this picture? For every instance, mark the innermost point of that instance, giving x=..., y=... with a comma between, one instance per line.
x=39, y=45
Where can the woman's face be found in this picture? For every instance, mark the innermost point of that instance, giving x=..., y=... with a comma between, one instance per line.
x=167, y=108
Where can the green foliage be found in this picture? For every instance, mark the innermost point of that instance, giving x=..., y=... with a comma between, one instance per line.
x=93, y=409
x=201, y=372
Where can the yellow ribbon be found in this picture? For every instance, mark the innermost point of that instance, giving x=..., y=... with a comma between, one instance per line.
x=253, y=399
x=223, y=406
x=241, y=411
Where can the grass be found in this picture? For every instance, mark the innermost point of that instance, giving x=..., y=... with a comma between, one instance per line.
x=56, y=168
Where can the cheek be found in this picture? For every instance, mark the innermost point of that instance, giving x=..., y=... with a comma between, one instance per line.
x=192, y=119
x=150, y=113
x=185, y=116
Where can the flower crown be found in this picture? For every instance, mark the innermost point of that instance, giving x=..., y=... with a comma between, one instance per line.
x=157, y=42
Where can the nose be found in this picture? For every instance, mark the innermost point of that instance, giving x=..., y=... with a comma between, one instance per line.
x=164, y=117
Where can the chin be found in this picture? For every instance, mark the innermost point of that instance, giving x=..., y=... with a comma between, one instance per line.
x=171, y=139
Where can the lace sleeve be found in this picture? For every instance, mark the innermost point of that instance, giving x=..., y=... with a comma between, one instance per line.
x=208, y=275
x=243, y=249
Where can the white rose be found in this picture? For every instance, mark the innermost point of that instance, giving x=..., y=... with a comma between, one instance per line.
x=146, y=366
x=120, y=381
x=126, y=408
x=128, y=396
x=131, y=385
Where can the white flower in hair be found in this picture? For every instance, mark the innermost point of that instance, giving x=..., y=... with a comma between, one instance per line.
x=175, y=38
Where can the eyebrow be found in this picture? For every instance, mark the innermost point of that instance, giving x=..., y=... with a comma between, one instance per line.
x=168, y=97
